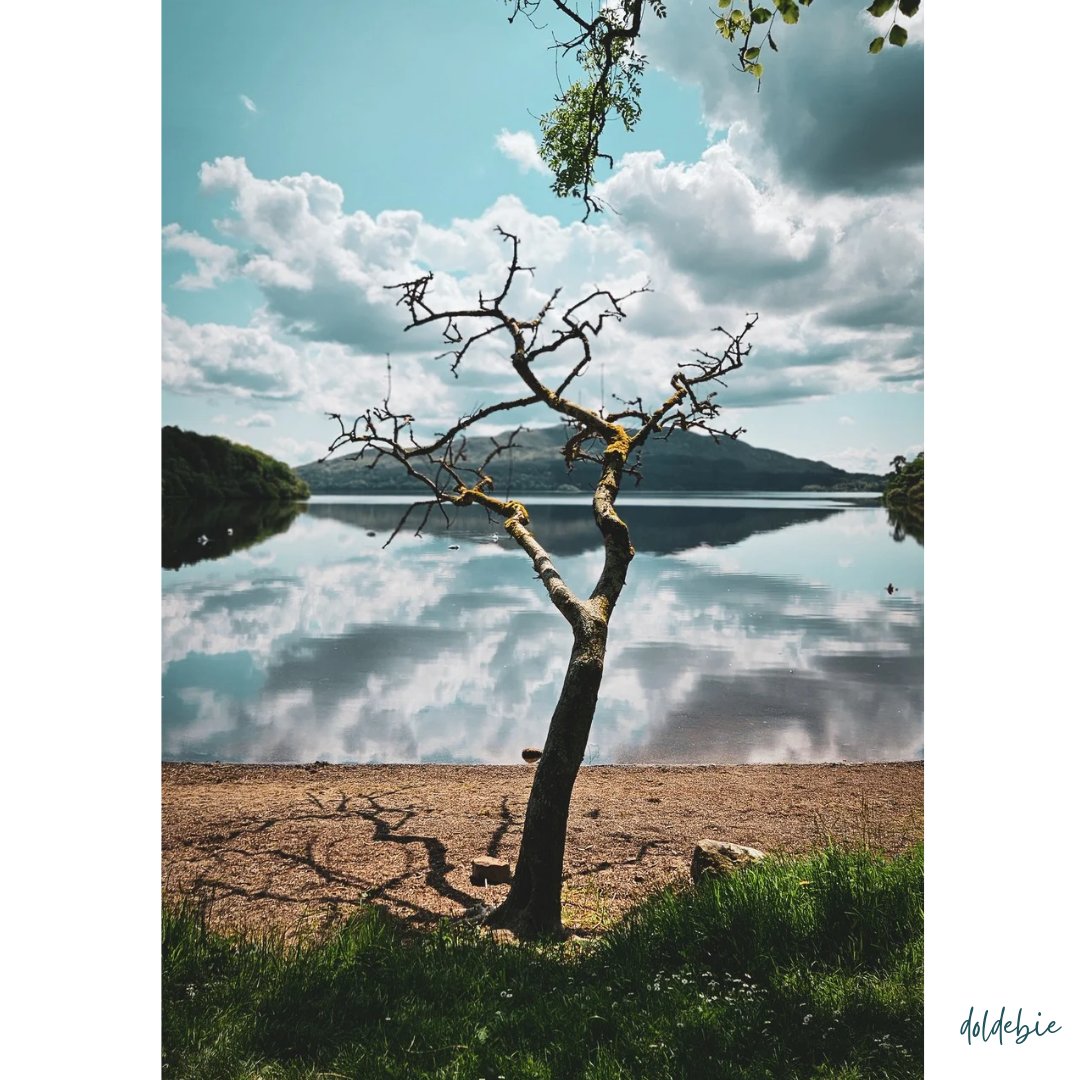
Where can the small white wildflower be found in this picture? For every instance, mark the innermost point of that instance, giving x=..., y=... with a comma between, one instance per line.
x=807, y=1018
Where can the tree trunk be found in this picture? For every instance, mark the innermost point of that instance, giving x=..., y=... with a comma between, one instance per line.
x=534, y=903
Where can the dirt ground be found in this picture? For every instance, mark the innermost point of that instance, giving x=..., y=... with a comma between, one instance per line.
x=297, y=848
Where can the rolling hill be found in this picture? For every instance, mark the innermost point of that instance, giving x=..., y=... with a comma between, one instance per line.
x=682, y=462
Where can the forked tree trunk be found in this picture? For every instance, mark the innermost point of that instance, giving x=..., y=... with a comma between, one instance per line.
x=534, y=903
x=533, y=906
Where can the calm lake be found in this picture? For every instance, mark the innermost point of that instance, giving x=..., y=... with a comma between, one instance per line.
x=753, y=628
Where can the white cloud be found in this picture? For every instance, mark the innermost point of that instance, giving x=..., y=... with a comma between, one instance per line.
x=837, y=282
x=868, y=459
x=241, y=361
x=520, y=147
x=213, y=262
x=256, y=420
x=257, y=363
x=322, y=271
x=248, y=103
x=298, y=451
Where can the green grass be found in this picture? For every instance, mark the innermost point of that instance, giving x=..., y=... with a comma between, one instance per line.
x=792, y=968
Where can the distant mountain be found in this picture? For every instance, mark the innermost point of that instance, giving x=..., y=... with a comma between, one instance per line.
x=208, y=467
x=682, y=462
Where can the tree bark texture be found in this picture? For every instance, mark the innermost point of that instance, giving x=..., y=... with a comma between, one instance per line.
x=534, y=903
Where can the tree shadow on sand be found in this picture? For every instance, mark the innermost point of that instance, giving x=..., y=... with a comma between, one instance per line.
x=295, y=875
x=243, y=869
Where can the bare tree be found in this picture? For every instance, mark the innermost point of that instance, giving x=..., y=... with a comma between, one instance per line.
x=609, y=441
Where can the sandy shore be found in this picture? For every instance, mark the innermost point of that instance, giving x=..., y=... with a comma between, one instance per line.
x=297, y=848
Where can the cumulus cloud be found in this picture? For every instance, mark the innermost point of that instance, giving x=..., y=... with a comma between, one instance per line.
x=837, y=282
x=321, y=270
x=257, y=363
x=213, y=262
x=718, y=222
x=520, y=147
x=242, y=361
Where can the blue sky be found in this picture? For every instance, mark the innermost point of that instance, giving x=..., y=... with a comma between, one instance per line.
x=314, y=153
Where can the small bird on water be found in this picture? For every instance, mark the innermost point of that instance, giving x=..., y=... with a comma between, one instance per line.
x=891, y=588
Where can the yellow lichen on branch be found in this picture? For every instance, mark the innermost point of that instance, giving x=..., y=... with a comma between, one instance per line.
x=510, y=509
x=619, y=443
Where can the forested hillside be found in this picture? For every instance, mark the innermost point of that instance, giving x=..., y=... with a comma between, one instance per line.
x=208, y=467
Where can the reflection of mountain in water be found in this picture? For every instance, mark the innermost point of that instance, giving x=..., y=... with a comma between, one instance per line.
x=225, y=528
x=570, y=530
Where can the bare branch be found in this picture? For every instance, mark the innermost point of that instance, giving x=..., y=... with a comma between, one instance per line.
x=513, y=269
x=440, y=463
x=444, y=466
x=685, y=408
x=428, y=506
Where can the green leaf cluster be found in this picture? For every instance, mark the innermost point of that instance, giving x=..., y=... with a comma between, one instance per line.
x=570, y=133
x=897, y=34
x=742, y=24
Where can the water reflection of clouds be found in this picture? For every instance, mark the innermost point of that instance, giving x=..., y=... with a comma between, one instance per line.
x=419, y=653
x=259, y=557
